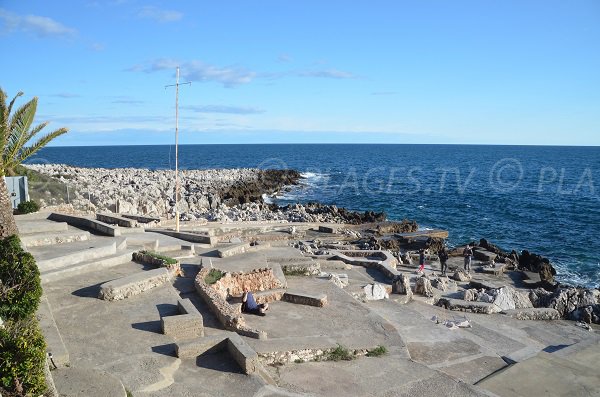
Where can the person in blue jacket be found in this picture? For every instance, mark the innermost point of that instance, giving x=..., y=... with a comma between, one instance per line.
x=250, y=306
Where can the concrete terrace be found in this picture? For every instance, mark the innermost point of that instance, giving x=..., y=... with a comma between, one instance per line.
x=103, y=345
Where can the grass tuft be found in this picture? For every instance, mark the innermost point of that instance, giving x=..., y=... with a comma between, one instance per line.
x=377, y=352
x=340, y=353
x=213, y=276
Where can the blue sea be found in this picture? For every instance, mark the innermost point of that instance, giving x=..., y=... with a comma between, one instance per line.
x=540, y=198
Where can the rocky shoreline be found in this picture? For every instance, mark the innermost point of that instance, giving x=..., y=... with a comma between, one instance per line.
x=238, y=195
x=223, y=195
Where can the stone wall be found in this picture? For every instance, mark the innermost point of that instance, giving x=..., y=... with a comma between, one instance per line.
x=227, y=314
x=233, y=284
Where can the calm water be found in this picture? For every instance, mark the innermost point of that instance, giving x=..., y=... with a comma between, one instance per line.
x=545, y=199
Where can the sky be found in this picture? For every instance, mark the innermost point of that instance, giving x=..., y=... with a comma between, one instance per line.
x=326, y=71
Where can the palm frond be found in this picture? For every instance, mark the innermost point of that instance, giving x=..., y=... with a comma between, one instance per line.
x=19, y=125
x=43, y=141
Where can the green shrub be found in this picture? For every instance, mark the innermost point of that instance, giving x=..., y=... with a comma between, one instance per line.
x=20, y=288
x=167, y=259
x=22, y=358
x=213, y=276
x=26, y=207
x=378, y=351
x=340, y=353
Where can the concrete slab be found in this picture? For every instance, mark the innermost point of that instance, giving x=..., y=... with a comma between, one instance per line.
x=87, y=382
x=553, y=375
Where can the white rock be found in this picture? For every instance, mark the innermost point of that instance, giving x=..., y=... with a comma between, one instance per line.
x=375, y=292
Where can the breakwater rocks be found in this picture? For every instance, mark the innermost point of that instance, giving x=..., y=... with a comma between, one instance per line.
x=215, y=195
x=142, y=191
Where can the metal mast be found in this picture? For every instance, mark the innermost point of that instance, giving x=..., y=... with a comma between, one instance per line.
x=176, y=85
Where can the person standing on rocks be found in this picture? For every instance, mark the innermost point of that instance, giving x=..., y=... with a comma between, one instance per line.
x=421, y=260
x=443, y=255
x=468, y=253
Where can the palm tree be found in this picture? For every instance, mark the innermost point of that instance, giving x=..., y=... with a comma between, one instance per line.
x=15, y=133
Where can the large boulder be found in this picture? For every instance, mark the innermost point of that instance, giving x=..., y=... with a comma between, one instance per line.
x=573, y=303
x=423, y=287
x=401, y=285
x=461, y=275
x=375, y=292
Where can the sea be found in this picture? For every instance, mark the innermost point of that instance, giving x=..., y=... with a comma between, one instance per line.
x=545, y=199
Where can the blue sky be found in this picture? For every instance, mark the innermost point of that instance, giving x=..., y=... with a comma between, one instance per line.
x=272, y=71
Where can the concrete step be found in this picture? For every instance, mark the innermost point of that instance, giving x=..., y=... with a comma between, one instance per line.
x=85, y=267
x=54, y=341
x=51, y=238
x=54, y=257
x=40, y=226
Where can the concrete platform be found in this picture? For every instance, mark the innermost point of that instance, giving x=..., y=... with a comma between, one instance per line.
x=50, y=238
x=87, y=382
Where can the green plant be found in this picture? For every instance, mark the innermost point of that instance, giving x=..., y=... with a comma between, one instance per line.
x=377, y=352
x=20, y=287
x=213, y=276
x=128, y=393
x=168, y=260
x=17, y=134
x=298, y=361
x=340, y=353
x=22, y=357
x=26, y=207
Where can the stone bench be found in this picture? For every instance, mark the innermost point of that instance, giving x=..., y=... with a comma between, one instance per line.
x=187, y=324
x=328, y=229
x=302, y=298
x=468, y=306
x=134, y=284
x=188, y=236
x=79, y=221
x=484, y=255
x=116, y=220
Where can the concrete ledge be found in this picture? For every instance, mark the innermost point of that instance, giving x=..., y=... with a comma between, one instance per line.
x=143, y=219
x=85, y=267
x=182, y=326
x=187, y=324
x=243, y=354
x=116, y=220
x=301, y=298
x=200, y=346
x=39, y=226
x=385, y=262
x=77, y=257
x=484, y=255
x=234, y=249
x=54, y=341
x=187, y=236
x=533, y=313
x=269, y=295
x=328, y=229
x=466, y=306
x=80, y=221
x=240, y=351
x=51, y=238
x=134, y=284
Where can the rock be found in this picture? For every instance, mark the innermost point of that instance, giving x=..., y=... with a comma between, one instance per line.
x=484, y=255
x=461, y=275
x=375, y=292
x=423, y=287
x=532, y=313
x=401, y=285
x=341, y=280
x=470, y=295
x=440, y=283
x=547, y=273
x=573, y=303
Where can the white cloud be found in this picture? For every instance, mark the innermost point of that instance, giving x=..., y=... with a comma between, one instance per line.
x=34, y=24
x=224, y=109
x=329, y=74
x=159, y=15
x=229, y=76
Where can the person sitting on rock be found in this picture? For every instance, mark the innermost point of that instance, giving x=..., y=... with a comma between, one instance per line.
x=250, y=306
